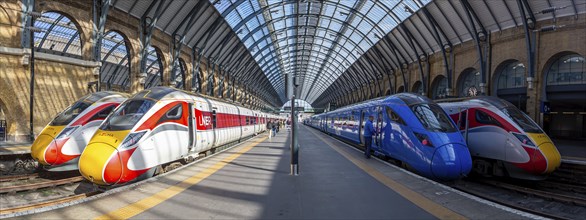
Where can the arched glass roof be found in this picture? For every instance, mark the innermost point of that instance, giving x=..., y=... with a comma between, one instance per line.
x=298, y=103
x=314, y=40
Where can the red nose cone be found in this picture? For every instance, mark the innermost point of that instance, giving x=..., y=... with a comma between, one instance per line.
x=113, y=170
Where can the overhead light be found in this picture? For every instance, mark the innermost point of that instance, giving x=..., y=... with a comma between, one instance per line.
x=217, y=2
x=239, y=31
x=343, y=13
x=276, y=11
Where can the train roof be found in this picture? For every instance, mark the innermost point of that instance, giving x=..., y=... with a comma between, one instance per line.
x=96, y=96
x=412, y=98
x=159, y=92
x=407, y=98
x=481, y=100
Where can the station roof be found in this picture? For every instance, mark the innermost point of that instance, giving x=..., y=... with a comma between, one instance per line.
x=332, y=46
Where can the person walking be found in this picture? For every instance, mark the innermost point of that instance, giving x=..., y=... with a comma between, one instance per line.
x=274, y=128
x=368, y=133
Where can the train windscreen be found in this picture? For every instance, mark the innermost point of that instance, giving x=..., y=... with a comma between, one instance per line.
x=66, y=116
x=522, y=120
x=433, y=118
x=127, y=115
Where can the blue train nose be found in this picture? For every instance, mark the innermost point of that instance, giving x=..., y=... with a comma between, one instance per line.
x=451, y=161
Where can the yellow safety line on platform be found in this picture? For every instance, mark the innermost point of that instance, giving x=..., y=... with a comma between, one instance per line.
x=153, y=200
x=426, y=204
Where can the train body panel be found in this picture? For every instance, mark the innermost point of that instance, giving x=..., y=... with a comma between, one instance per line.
x=436, y=149
x=158, y=126
x=61, y=142
x=503, y=140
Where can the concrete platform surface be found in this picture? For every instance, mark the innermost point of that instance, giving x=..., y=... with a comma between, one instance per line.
x=252, y=181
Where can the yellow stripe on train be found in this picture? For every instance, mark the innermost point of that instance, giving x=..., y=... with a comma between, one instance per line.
x=550, y=152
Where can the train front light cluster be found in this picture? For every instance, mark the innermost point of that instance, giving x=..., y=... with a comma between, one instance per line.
x=423, y=139
x=66, y=132
x=524, y=139
x=132, y=139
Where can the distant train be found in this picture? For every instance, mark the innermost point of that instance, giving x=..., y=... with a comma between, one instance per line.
x=61, y=142
x=159, y=126
x=502, y=139
x=411, y=129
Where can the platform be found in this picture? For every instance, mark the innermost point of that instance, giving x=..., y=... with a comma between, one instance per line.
x=9, y=148
x=252, y=181
x=572, y=151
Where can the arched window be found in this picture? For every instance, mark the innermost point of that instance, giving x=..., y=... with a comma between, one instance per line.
x=439, y=85
x=569, y=69
x=115, y=68
x=417, y=88
x=154, y=68
x=178, y=75
x=511, y=75
x=401, y=89
x=510, y=83
x=59, y=36
x=469, y=83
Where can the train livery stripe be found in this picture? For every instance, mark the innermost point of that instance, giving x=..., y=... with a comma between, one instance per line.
x=549, y=151
x=153, y=200
x=87, y=116
x=426, y=204
x=155, y=119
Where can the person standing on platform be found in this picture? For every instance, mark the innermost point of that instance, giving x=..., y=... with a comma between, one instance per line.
x=270, y=129
x=274, y=127
x=368, y=133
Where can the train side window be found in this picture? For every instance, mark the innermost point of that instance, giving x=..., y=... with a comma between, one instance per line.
x=214, y=119
x=394, y=116
x=247, y=120
x=483, y=118
x=103, y=114
x=175, y=112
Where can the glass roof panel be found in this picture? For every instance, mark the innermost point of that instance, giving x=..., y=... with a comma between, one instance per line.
x=330, y=35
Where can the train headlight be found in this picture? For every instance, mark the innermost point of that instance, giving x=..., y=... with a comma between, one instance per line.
x=132, y=139
x=66, y=132
x=524, y=139
x=423, y=139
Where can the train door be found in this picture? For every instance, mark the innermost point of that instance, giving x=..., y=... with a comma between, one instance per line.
x=215, y=133
x=191, y=124
x=361, y=126
x=378, y=127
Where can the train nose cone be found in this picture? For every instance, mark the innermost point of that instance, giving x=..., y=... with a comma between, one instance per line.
x=451, y=161
x=41, y=150
x=552, y=155
x=100, y=164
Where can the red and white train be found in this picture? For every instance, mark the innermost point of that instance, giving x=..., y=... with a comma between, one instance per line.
x=503, y=140
x=159, y=126
x=61, y=142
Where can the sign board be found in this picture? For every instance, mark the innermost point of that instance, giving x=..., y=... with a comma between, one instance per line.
x=545, y=108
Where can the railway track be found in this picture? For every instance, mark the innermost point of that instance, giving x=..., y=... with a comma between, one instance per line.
x=576, y=200
x=46, y=203
x=11, y=178
x=40, y=185
x=514, y=205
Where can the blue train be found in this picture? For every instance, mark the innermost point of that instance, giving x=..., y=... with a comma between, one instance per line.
x=411, y=128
